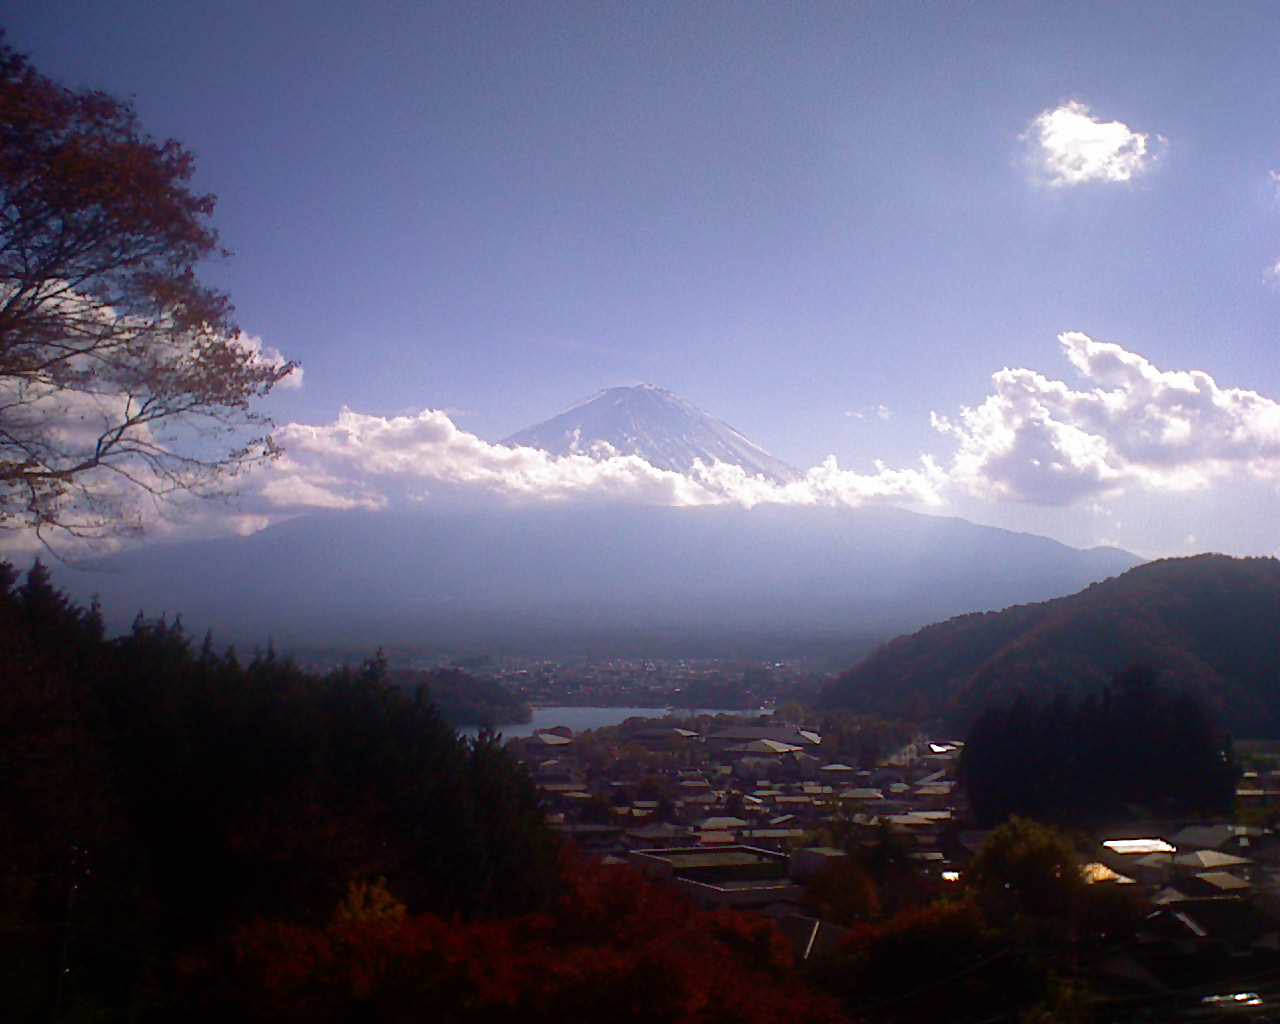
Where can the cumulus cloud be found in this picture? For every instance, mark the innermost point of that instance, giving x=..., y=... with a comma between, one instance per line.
x=1040, y=440
x=1072, y=147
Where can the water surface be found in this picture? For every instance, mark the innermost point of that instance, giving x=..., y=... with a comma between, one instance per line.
x=580, y=718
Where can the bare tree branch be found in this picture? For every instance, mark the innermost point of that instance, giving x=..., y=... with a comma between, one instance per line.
x=120, y=373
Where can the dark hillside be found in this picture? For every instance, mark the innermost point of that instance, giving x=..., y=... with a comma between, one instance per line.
x=1208, y=624
x=464, y=699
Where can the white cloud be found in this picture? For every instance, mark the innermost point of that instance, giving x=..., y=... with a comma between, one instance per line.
x=1127, y=427
x=372, y=461
x=361, y=461
x=880, y=411
x=273, y=357
x=1040, y=440
x=139, y=488
x=1072, y=147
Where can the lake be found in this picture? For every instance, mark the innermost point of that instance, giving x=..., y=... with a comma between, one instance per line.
x=579, y=718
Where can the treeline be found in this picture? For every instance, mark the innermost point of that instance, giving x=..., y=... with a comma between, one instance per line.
x=1134, y=744
x=158, y=795
x=717, y=693
x=464, y=699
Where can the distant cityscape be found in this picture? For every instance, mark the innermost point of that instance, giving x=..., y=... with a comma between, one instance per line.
x=738, y=684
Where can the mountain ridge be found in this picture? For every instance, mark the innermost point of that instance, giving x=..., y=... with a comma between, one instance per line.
x=716, y=579
x=1208, y=623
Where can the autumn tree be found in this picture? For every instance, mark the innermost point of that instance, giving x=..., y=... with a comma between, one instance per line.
x=876, y=972
x=121, y=374
x=844, y=893
x=1027, y=868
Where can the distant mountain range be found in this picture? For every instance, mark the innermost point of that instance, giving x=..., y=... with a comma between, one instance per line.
x=718, y=580
x=712, y=580
x=664, y=430
x=1210, y=624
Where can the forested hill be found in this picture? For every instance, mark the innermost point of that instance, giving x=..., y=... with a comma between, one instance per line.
x=1209, y=624
x=464, y=699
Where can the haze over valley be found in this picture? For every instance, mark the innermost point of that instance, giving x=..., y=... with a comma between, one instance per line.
x=603, y=575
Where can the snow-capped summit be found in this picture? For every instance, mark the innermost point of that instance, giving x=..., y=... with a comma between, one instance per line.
x=663, y=429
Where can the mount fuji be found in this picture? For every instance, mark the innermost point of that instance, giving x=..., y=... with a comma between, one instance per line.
x=651, y=422
x=606, y=577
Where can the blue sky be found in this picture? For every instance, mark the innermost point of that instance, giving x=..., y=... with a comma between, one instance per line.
x=827, y=224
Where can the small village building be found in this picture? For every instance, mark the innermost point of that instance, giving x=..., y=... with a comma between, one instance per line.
x=1209, y=860
x=764, y=748
x=807, y=862
x=1097, y=873
x=1204, y=837
x=774, y=838
x=721, y=823
x=741, y=877
x=1221, y=883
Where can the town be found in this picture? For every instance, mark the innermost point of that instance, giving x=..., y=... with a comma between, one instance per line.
x=766, y=815
x=726, y=683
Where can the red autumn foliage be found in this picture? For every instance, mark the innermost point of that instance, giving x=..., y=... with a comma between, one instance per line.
x=616, y=947
x=943, y=961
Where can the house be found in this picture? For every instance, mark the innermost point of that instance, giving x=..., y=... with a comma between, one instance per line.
x=658, y=834
x=732, y=876
x=814, y=859
x=743, y=735
x=663, y=737
x=592, y=838
x=774, y=838
x=1204, y=837
x=763, y=748
x=1193, y=926
x=542, y=743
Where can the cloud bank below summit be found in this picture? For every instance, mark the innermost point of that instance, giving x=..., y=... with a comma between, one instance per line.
x=1127, y=427
x=1130, y=426
x=371, y=462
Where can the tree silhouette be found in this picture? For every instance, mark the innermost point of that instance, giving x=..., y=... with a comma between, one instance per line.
x=119, y=371
x=1134, y=743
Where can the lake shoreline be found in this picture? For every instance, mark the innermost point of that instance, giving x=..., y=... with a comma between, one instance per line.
x=580, y=717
